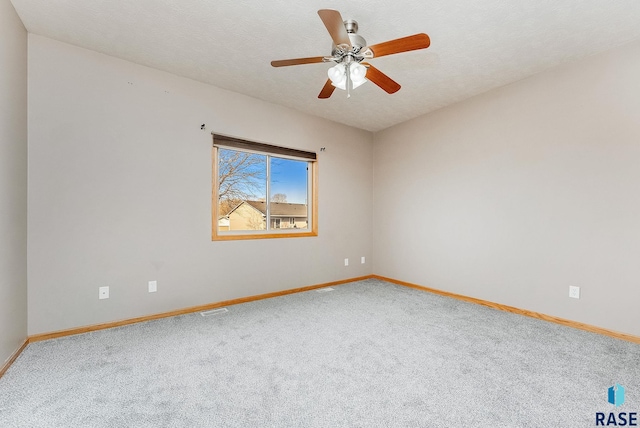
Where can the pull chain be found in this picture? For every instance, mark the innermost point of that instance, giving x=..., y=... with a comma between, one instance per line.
x=348, y=70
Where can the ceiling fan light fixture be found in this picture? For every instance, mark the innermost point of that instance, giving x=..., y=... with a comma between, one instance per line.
x=358, y=84
x=357, y=73
x=348, y=51
x=338, y=76
x=342, y=85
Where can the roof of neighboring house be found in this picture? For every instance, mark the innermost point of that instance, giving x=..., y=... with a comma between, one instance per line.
x=278, y=209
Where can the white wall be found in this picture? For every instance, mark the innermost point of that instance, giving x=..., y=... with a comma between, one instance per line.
x=518, y=193
x=120, y=192
x=13, y=182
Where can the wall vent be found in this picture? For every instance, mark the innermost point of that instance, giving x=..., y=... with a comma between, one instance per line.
x=214, y=312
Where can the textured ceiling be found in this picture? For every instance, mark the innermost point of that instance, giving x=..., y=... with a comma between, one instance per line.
x=475, y=45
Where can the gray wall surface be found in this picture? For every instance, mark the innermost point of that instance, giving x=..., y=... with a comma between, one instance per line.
x=516, y=194
x=13, y=182
x=120, y=192
x=510, y=196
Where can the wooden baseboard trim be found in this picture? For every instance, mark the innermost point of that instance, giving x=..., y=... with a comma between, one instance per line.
x=209, y=306
x=498, y=306
x=514, y=310
x=13, y=357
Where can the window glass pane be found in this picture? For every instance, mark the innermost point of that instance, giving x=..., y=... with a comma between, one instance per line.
x=242, y=190
x=288, y=187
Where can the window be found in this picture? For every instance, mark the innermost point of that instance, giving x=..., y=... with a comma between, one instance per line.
x=262, y=191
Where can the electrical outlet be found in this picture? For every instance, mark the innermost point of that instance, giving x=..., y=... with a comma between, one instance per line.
x=103, y=293
x=574, y=292
x=153, y=286
x=346, y=262
x=362, y=259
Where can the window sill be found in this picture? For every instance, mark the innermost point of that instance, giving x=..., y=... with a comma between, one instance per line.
x=234, y=237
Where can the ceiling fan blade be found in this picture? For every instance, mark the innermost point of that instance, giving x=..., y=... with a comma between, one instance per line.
x=335, y=25
x=327, y=90
x=405, y=44
x=389, y=85
x=297, y=61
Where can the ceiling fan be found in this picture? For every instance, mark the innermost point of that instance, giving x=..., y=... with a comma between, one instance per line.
x=350, y=51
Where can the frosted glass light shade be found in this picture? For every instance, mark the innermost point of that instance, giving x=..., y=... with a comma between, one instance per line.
x=338, y=76
x=358, y=73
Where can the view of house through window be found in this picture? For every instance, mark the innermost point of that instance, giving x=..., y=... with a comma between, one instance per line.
x=261, y=192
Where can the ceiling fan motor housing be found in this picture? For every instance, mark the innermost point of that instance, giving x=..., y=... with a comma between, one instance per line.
x=357, y=41
x=351, y=25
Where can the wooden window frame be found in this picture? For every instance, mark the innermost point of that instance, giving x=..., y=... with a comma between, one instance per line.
x=221, y=141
